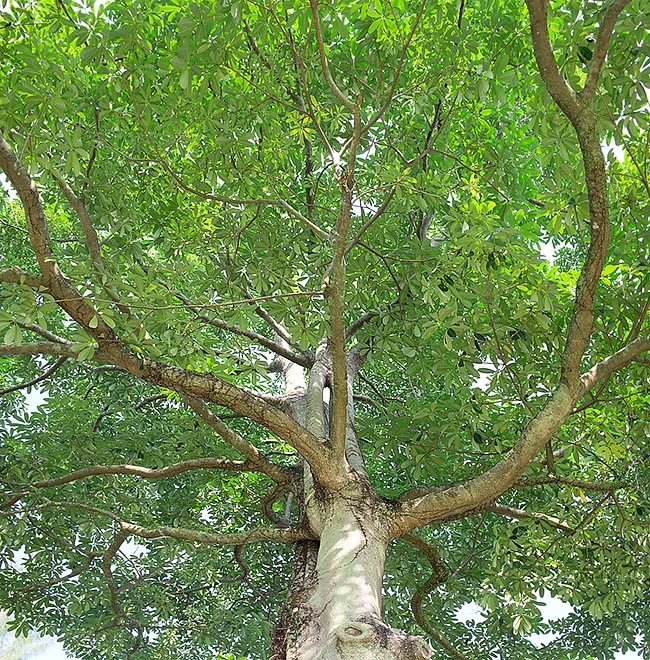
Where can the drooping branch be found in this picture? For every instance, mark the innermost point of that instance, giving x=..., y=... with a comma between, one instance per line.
x=39, y=379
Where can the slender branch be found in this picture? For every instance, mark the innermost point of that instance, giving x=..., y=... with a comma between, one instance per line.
x=276, y=347
x=609, y=486
x=280, y=474
x=234, y=538
x=147, y=473
x=600, y=49
x=354, y=327
x=398, y=70
x=92, y=242
x=44, y=376
x=520, y=514
x=368, y=223
x=338, y=94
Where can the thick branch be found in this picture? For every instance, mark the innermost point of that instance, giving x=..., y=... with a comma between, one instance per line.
x=38, y=348
x=15, y=275
x=613, y=363
x=558, y=88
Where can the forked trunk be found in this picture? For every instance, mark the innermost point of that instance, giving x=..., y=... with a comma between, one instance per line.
x=334, y=607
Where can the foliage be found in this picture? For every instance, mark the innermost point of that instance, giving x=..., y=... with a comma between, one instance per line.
x=199, y=137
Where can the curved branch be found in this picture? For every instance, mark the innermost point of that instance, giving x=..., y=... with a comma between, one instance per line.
x=559, y=89
x=39, y=379
x=438, y=575
x=147, y=473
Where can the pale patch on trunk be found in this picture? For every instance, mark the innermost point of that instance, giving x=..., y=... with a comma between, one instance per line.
x=340, y=616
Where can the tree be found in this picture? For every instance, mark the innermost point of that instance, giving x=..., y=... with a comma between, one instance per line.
x=276, y=269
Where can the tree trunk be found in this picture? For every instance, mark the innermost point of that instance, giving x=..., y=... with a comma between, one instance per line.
x=333, y=611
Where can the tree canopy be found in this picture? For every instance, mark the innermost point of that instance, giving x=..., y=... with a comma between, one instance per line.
x=219, y=216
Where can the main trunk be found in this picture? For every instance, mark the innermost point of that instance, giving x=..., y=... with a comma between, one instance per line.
x=334, y=608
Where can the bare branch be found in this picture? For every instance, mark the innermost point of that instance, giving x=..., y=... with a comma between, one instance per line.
x=520, y=514
x=207, y=463
x=600, y=49
x=39, y=379
x=353, y=328
x=280, y=474
x=16, y=275
x=338, y=94
x=615, y=362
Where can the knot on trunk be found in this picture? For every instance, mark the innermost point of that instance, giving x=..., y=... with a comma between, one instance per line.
x=369, y=638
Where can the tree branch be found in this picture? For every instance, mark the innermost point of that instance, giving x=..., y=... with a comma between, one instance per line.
x=45, y=375
x=438, y=575
x=280, y=474
x=148, y=473
x=559, y=89
x=276, y=347
x=38, y=348
x=16, y=275
x=520, y=514
x=338, y=94
x=615, y=362
x=600, y=49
